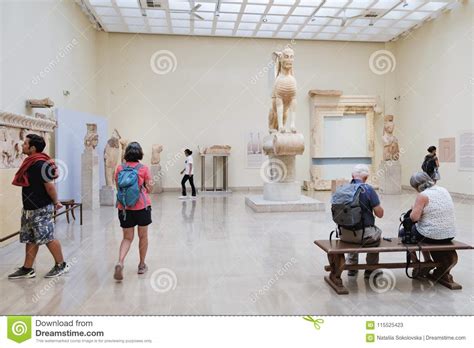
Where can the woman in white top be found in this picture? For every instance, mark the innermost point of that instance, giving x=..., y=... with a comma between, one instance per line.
x=433, y=211
x=188, y=175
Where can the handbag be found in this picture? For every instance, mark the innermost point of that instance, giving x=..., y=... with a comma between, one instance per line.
x=407, y=231
x=436, y=175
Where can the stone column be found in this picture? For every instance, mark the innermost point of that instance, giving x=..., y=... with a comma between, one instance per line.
x=390, y=174
x=156, y=176
x=90, y=179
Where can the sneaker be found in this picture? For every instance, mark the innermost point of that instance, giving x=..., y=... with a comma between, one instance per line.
x=352, y=272
x=118, y=275
x=183, y=197
x=368, y=273
x=142, y=268
x=57, y=270
x=22, y=273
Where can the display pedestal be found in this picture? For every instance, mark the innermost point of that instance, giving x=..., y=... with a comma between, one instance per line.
x=90, y=179
x=391, y=177
x=107, y=196
x=156, y=175
x=281, y=192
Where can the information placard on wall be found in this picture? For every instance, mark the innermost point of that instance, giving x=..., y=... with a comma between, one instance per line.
x=466, y=151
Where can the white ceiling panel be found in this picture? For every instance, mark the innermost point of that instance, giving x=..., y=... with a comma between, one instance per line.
x=346, y=20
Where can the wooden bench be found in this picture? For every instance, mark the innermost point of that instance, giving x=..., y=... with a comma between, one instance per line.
x=69, y=206
x=441, y=257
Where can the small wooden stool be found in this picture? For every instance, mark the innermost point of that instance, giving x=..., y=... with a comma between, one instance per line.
x=68, y=203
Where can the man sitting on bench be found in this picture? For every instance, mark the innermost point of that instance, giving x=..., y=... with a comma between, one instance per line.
x=370, y=204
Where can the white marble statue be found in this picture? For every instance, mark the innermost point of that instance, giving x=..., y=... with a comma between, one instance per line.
x=391, y=151
x=284, y=94
x=156, y=150
x=91, y=140
x=111, y=157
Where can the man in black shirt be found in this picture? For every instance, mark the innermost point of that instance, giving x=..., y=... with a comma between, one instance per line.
x=36, y=176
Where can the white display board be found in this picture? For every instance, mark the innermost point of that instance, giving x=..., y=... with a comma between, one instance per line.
x=466, y=151
x=345, y=136
x=69, y=146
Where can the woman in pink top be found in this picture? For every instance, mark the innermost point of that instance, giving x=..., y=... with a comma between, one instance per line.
x=138, y=215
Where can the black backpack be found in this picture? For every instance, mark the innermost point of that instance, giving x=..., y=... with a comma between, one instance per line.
x=346, y=209
x=429, y=165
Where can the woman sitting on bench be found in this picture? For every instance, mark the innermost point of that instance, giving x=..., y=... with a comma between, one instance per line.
x=433, y=211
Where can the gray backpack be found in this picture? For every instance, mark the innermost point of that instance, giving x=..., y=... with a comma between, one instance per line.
x=345, y=207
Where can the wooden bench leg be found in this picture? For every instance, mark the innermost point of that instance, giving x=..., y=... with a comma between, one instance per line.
x=334, y=279
x=80, y=214
x=448, y=260
x=67, y=212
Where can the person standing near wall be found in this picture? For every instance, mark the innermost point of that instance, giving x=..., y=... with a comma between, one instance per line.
x=136, y=214
x=188, y=175
x=40, y=199
x=431, y=164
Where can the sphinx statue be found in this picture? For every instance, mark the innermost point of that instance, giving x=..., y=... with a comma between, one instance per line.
x=391, y=151
x=284, y=94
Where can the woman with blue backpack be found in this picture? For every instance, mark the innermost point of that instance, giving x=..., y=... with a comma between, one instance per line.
x=133, y=181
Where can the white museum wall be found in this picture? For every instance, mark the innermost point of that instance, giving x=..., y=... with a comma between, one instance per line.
x=434, y=77
x=46, y=47
x=215, y=94
x=70, y=145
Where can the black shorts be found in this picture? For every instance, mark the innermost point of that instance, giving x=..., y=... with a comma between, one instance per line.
x=132, y=218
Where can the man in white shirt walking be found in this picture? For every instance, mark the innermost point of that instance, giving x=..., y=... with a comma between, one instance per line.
x=188, y=175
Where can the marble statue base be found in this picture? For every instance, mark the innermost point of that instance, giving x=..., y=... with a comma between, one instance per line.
x=90, y=180
x=107, y=196
x=281, y=191
x=156, y=176
x=390, y=177
x=304, y=204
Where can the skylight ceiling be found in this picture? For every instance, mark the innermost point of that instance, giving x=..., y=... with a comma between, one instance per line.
x=346, y=20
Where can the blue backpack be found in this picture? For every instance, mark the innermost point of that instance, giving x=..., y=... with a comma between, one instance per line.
x=128, y=190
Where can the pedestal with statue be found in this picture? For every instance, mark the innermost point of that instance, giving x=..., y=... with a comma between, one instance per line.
x=281, y=191
x=390, y=169
x=90, y=169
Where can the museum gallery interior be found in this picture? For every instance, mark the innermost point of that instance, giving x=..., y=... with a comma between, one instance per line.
x=276, y=102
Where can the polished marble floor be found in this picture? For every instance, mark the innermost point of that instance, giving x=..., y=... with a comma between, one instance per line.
x=216, y=256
